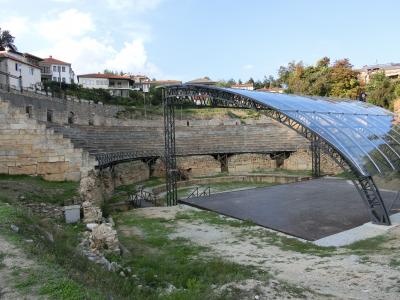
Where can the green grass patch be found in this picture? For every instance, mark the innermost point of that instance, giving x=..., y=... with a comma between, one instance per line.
x=213, y=218
x=221, y=187
x=2, y=257
x=373, y=244
x=283, y=172
x=36, y=189
x=160, y=261
x=395, y=263
x=287, y=243
x=346, y=175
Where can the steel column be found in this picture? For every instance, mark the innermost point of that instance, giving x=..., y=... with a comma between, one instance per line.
x=373, y=199
x=171, y=170
x=316, y=156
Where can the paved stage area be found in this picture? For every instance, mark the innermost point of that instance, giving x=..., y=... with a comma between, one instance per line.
x=309, y=209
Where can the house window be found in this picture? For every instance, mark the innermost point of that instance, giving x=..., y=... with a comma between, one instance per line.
x=59, y=69
x=54, y=78
x=63, y=79
x=63, y=69
x=31, y=69
x=119, y=83
x=16, y=66
x=54, y=69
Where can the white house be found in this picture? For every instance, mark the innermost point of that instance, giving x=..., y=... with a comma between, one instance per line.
x=391, y=70
x=16, y=72
x=56, y=70
x=116, y=84
x=243, y=86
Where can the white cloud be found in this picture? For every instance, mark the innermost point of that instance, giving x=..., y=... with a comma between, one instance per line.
x=68, y=24
x=71, y=36
x=137, y=6
x=89, y=55
x=17, y=26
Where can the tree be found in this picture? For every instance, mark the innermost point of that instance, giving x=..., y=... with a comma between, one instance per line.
x=6, y=39
x=250, y=81
x=381, y=90
x=344, y=80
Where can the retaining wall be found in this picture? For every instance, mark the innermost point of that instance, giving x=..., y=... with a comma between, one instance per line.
x=27, y=147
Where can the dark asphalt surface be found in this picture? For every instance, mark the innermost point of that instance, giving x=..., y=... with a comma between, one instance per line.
x=310, y=209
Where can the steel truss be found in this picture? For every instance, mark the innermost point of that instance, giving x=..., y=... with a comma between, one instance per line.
x=316, y=156
x=170, y=153
x=211, y=97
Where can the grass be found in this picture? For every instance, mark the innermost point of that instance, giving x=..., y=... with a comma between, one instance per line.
x=371, y=245
x=121, y=193
x=221, y=187
x=157, y=261
x=262, y=235
x=2, y=256
x=394, y=263
x=283, y=172
x=36, y=189
x=213, y=218
x=160, y=261
x=346, y=175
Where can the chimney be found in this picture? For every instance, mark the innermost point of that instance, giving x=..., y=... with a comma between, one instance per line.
x=51, y=56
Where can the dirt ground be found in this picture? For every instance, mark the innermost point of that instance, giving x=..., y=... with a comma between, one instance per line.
x=344, y=275
x=13, y=259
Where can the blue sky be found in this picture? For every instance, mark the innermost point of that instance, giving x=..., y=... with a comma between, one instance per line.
x=187, y=39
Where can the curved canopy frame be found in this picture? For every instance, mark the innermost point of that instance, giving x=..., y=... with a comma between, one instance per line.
x=361, y=138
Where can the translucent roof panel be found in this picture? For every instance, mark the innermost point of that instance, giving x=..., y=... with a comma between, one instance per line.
x=365, y=135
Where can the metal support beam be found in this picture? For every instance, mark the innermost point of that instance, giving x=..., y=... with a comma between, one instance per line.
x=205, y=96
x=316, y=156
x=170, y=158
x=373, y=199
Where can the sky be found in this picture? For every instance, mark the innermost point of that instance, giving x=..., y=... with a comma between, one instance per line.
x=188, y=39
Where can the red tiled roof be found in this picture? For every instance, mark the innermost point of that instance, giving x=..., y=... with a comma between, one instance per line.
x=6, y=55
x=107, y=76
x=51, y=60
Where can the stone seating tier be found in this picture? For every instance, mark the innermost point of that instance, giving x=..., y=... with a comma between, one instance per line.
x=196, y=140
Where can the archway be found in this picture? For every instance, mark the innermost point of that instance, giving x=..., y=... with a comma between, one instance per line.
x=358, y=136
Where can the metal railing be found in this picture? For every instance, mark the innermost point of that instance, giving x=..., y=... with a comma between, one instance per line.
x=141, y=195
x=197, y=193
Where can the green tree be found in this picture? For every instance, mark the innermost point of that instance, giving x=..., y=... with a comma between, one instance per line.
x=344, y=80
x=381, y=90
x=6, y=39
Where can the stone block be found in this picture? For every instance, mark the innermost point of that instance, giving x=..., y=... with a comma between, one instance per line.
x=23, y=170
x=54, y=177
x=52, y=167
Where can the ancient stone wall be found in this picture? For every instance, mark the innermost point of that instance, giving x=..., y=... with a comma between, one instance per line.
x=301, y=160
x=81, y=112
x=130, y=172
x=247, y=163
x=27, y=147
x=200, y=165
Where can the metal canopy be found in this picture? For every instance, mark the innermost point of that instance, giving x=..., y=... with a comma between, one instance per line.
x=362, y=138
